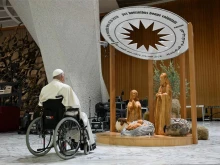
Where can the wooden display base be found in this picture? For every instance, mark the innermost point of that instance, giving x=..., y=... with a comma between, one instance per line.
x=114, y=138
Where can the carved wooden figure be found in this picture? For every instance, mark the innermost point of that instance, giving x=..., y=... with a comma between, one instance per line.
x=134, y=107
x=163, y=105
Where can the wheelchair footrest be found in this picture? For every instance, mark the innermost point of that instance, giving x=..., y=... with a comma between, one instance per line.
x=93, y=146
x=43, y=149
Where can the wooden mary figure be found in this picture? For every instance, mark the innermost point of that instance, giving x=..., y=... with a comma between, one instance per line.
x=134, y=107
x=163, y=105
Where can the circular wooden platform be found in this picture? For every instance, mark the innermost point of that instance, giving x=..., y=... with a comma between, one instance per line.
x=114, y=138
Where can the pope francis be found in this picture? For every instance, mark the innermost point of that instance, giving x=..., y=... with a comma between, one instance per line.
x=57, y=87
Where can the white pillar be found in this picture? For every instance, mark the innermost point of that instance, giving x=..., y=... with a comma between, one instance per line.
x=67, y=32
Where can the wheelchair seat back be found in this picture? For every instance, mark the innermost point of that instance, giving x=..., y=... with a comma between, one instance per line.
x=53, y=111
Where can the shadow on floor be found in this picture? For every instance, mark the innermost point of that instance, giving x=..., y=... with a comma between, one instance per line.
x=48, y=158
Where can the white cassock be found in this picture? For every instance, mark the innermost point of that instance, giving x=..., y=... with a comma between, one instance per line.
x=56, y=88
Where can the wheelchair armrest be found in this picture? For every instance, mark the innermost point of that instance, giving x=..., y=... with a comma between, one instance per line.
x=72, y=109
x=72, y=112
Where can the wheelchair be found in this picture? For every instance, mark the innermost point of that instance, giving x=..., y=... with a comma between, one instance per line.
x=59, y=129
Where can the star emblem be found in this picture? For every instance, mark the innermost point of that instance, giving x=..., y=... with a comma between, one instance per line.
x=148, y=37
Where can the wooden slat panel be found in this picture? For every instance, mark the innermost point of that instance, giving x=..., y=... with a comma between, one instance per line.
x=123, y=72
x=182, y=98
x=150, y=92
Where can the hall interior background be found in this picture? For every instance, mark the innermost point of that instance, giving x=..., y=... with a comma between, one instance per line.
x=131, y=73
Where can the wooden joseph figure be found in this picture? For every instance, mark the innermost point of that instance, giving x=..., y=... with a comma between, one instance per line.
x=163, y=105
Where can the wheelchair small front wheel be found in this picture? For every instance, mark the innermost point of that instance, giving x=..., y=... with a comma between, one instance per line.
x=66, y=138
x=86, y=148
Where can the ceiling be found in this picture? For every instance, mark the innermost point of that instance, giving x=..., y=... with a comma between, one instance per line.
x=109, y=5
x=9, y=18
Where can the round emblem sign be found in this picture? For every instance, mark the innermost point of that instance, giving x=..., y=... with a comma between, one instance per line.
x=146, y=32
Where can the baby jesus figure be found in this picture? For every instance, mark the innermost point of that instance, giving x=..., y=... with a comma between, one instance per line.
x=133, y=126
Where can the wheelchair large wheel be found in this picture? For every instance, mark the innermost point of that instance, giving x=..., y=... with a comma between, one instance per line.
x=66, y=138
x=38, y=142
